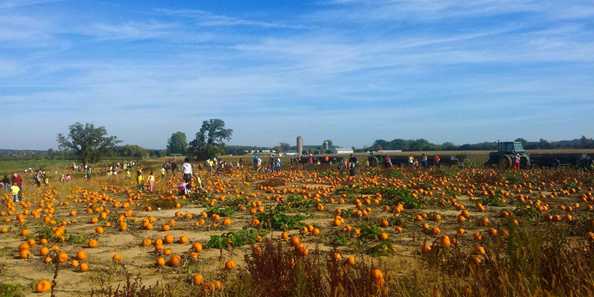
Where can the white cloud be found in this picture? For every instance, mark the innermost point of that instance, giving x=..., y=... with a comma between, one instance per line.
x=208, y=19
x=129, y=30
x=361, y=11
x=14, y=4
x=24, y=31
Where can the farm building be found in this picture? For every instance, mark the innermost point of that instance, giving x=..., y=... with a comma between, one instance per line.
x=387, y=151
x=342, y=150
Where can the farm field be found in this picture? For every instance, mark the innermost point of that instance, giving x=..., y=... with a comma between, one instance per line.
x=9, y=166
x=305, y=232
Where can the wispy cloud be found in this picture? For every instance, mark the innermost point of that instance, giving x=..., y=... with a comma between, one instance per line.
x=420, y=10
x=12, y=4
x=24, y=31
x=129, y=30
x=437, y=10
x=208, y=19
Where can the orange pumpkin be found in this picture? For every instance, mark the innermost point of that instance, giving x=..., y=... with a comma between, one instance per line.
x=160, y=261
x=43, y=286
x=445, y=241
x=43, y=251
x=92, y=243
x=82, y=255
x=230, y=265
x=175, y=261
x=350, y=260
x=197, y=279
x=62, y=257
x=197, y=246
x=117, y=258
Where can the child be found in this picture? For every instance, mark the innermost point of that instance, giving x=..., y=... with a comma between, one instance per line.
x=163, y=171
x=183, y=188
x=151, y=181
x=139, y=180
x=14, y=189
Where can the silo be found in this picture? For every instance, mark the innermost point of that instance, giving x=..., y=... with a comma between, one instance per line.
x=299, y=145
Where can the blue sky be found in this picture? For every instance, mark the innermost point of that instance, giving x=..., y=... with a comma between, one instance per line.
x=349, y=70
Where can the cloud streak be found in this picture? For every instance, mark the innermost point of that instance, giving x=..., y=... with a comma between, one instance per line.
x=207, y=19
x=15, y=4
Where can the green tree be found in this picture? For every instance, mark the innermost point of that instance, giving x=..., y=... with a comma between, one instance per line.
x=284, y=147
x=210, y=140
x=178, y=143
x=87, y=142
x=131, y=151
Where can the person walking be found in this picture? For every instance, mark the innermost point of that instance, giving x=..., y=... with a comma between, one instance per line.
x=139, y=180
x=437, y=160
x=277, y=163
x=88, y=172
x=353, y=165
x=151, y=182
x=424, y=161
x=38, y=178
x=387, y=162
x=187, y=172
x=208, y=165
x=517, y=161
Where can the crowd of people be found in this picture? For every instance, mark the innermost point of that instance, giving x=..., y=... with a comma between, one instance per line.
x=274, y=163
x=373, y=160
x=116, y=168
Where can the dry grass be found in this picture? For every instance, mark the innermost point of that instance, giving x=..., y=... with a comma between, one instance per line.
x=528, y=262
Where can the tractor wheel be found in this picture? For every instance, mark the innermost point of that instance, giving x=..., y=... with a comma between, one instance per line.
x=505, y=162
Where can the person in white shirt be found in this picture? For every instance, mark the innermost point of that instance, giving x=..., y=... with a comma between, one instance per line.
x=187, y=171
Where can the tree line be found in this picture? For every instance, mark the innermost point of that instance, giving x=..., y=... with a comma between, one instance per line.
x=90, y=144
x=425, y=145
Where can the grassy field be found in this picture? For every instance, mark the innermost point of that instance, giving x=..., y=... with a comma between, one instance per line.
x=10, y=166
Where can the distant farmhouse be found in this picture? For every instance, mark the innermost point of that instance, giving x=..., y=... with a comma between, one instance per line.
x=387, y=151
x=342, y=151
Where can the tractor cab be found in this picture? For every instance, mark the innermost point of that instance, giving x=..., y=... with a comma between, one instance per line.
x=510, y=147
